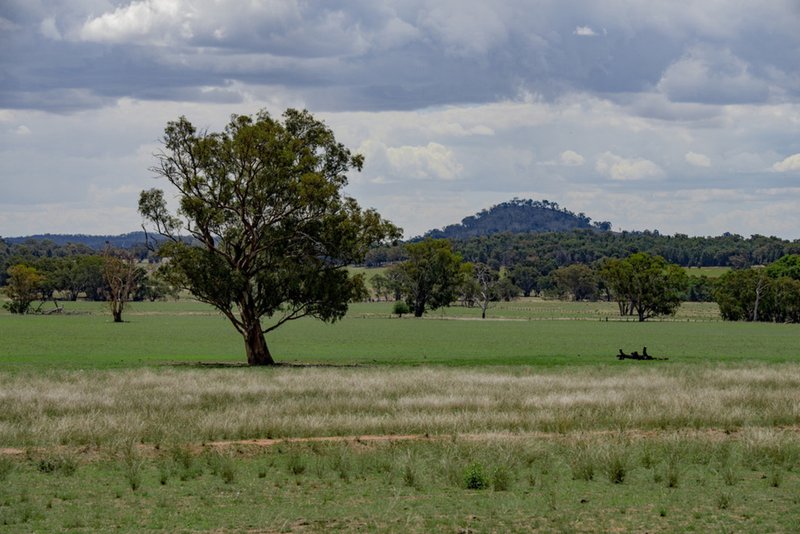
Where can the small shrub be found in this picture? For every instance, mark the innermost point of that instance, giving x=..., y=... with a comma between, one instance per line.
x=582, y=464
x=475, y=477
x=187, y=467
x=341, y=463
x=729, y=474
x=296, y=463
x=222, y=465
x=775, y=477
x=400, y=308
x=501, y=478
x=63, y=464
x=672, y=474
x=723, y=500
x=648, y=460
x=132, y=469
x=410, y=477
x=616, y=467
x=672, y=470
x=182, y=456
x=164, y=472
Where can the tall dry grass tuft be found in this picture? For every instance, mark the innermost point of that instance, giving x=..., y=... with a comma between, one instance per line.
x=166, y=405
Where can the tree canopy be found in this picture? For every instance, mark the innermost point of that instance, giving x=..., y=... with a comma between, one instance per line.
x=430, y=277
x=272, y=230
x=770, y=293
x=23, y=285
x=645, y=285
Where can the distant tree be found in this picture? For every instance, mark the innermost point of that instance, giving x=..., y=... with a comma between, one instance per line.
x=72, y=275
x=430, y=277
x=22, y=288
x=759, y=294
x=506, y=289
x=701, y=289
x=487, y=280
x=400, y=308
x=381, y=286
x=577, y=281
x=264, y=202
x=121, y=275
x=468, y=289
x=526, y=277
x=645, y=285
x=154, y=286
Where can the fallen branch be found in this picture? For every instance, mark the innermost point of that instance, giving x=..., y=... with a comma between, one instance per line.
x=636, y=356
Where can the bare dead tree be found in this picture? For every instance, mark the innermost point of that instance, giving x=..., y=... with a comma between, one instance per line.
x=119, y=272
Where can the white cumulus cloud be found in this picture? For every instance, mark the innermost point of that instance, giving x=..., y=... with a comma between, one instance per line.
x=570, y=158
x=698, y=160
x=430, y=161
x=138, y=19
x=584, y=31
x=622, y=169
x=790, y=164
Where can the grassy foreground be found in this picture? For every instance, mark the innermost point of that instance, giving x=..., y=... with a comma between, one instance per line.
x=525, y=422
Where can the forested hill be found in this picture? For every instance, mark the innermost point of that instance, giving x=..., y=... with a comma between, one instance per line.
x=519, y=216
x=95, y=242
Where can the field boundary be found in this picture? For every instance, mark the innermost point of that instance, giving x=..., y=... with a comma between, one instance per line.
x=713, y=434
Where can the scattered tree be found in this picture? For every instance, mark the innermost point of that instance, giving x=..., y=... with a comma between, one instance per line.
x=526, y=277
x=273, y=233
x=120, y=274
x=381, y=286
x=430, y=277
x=22, y=288
x=645, y=285
x=154, y=286
x=577, y=280
x=486, y=280
x=760, y=294
x=400, y=308
x=506, y=289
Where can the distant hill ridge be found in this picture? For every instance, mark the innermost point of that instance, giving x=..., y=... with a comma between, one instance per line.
x=96, y=242
x=516, y=216
x=519, y=216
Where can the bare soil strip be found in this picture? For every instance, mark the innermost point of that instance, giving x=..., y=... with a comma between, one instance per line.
x=710, y=434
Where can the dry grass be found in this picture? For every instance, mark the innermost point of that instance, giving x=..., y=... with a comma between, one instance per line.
x=193, y=406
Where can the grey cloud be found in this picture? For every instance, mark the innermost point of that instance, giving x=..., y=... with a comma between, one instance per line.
x=712, y=76
x=385, y=56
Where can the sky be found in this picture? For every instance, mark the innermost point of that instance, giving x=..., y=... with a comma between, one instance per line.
x=679, y=116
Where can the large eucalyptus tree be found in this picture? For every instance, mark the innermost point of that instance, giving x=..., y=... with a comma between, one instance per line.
x=271, y=230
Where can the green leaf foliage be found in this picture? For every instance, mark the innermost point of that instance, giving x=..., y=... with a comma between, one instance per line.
x=431, y=276
x=272, y=231
x=645, y=285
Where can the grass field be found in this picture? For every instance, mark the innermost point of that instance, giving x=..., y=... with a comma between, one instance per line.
x=525, y=421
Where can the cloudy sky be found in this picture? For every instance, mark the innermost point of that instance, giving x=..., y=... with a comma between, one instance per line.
x=676, y=115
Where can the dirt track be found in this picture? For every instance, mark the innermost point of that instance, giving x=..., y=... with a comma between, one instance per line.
x=713, y=434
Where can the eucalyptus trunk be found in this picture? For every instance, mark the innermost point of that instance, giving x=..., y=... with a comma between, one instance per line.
x=256, y=346
x=254, y=340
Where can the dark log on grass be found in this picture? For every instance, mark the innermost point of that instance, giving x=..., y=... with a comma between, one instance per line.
x=636, y=356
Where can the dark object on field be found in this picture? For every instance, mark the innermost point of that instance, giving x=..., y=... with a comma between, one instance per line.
x=636, y=356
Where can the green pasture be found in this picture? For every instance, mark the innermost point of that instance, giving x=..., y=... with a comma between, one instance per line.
x=455, y=486
x=524, y=421
x=528, y=332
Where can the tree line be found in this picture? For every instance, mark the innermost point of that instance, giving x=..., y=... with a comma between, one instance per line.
x=114, y=276
x=550, y=250
x=434, y=274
